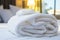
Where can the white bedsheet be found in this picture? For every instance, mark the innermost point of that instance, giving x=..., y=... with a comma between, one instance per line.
x=6, y=35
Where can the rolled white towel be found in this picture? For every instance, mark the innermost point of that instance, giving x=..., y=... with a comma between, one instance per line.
x=47, y=27
x=35, y=25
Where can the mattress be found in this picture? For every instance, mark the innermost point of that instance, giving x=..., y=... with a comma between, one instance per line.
x=5, y=34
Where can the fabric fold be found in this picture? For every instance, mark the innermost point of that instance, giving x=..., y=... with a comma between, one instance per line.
x=34, y=25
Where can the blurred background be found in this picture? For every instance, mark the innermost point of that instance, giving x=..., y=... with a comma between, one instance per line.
x=42, y=6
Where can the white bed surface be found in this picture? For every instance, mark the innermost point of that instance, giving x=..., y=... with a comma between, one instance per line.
x=3, y=25
x=6, y=35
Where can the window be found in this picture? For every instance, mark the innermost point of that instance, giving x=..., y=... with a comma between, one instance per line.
x=30, y=4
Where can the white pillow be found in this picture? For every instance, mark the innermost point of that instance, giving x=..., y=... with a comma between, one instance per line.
x=6, y=15
x=14, y=9
x=25, y=12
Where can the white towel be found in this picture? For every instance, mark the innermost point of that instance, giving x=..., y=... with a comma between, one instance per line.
x=42, y=26
x=39, y=29
x=34, y=25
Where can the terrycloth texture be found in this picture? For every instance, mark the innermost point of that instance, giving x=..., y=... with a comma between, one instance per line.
x=34, y=25
x=38, y=27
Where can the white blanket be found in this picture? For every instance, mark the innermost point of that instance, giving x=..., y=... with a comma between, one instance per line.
x=34, y=25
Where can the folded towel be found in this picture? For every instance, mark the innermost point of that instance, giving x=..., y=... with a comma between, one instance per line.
x=34, y=25
x=43, y=26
